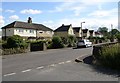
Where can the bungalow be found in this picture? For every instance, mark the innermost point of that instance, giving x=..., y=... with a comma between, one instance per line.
x=64, y=31
x=98, y=34
x=26, y=30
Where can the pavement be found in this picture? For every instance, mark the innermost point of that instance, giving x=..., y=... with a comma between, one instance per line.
x=54, y=65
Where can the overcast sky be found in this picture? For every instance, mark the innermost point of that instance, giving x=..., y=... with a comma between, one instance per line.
x=95, y=13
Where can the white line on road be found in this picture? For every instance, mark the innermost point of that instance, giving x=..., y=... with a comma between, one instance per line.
x=68, y=61
x=61, y=63
x=26, y=70
x=9, y=74
x=40, y=67
x=53, y=65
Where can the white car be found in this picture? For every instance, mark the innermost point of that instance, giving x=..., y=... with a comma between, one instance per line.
x=84, y=42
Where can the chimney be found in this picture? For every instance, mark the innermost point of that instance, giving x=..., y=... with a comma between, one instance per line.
x=62, y=24
x=30, y=20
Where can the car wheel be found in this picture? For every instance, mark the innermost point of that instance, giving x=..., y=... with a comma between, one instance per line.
x=86, y=45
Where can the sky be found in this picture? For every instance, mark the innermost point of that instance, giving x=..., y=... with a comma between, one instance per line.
x=53, y=14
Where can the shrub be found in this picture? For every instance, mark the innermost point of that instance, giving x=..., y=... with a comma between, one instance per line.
x=15, y=41
x=71, y=41
x=57, y=42
x=118, y=37
x=110, y=56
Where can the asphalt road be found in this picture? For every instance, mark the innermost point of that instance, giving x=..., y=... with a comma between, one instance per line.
x=51, y=65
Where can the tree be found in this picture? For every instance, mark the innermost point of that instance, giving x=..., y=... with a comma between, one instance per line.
x=103, y=30
x=114, y=32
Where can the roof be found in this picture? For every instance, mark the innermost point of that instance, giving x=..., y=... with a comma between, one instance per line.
x=63, y=28
x=18, y=24
x=84, y=30
x=76, y=29
x=91, y=31
x=98, y=33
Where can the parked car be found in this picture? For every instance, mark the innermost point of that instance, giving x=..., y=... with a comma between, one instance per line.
x=84, y=42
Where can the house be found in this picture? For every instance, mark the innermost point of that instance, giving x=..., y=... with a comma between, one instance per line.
x=85, y=33
x=92, y=33
x=27, y=30
x=78, y=32
x=64, y=31
x=98, y=34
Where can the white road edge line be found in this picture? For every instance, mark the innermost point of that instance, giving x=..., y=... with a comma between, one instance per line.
x=26, y=70
x=40, y=67
x=9, y=74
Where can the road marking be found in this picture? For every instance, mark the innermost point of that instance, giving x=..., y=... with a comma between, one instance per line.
x=53, y=65
x=9, y=74
x=26, y=70
x=40, y=67
x=61, y=63
x=68, y=61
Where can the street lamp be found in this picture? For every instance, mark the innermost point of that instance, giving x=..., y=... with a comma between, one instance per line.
x=81, y=24
x=81, y=28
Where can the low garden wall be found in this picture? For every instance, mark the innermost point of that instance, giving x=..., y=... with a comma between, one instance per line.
x=107, y=55
x=38, y=46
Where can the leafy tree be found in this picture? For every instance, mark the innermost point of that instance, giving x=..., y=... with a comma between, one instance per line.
x=114, y=32
x=103, y=30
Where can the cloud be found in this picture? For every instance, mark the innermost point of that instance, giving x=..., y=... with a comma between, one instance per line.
x=2, y=21
x=10, y=11
x=69, y=6
x=30, y=11
x=90, y=23
x=104, y=13
x=14, y=17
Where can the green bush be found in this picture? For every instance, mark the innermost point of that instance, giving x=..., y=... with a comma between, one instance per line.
x=118, y=37
x=57, y=42
x=15, y=41
x=71, y=41
x=110, y=56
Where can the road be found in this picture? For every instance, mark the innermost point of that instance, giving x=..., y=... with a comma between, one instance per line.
x=51, y=65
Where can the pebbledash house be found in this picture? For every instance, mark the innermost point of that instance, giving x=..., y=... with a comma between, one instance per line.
x=27, y=30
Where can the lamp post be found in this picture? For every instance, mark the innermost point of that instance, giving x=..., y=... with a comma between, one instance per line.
x=81, y=29
x=81, y=24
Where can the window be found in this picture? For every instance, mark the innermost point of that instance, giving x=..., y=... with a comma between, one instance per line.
x=20, y=30
x=31, y=31
x=48, y=32
x=40, y=31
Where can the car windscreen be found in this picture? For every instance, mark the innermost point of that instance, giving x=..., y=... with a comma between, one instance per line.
x=81, y=41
